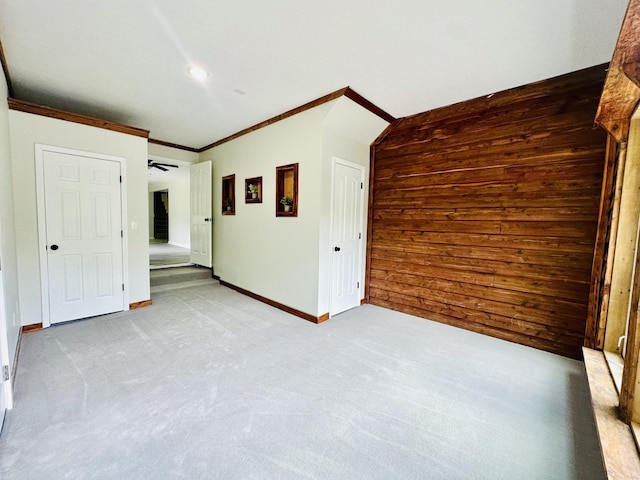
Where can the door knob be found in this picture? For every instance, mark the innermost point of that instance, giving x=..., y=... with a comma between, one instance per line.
x=54, y=247
x=336, y=249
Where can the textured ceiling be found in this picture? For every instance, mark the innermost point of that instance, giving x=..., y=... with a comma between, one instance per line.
x=127, y=61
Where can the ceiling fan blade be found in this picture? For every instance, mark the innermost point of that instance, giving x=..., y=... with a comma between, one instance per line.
x=165, y=164
x=160, y=167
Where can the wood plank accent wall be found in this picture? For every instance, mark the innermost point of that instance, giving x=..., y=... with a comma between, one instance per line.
x=484, y=213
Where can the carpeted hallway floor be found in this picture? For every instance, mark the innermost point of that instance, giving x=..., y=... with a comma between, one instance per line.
x=163, y=255
x=209, y=384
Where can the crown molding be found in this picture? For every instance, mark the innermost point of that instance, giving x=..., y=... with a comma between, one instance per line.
x=366, y=104
x=346, y=92
x=277, y=118
x=29, y=107
x=173, y=145
x=5, y=69
x=34, y=108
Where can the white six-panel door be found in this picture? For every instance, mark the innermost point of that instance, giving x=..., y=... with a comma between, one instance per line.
x=6, y=398
x=201, y=218
x=84, y=251
x=347, y=236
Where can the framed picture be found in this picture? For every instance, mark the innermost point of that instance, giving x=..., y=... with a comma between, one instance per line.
x=287, y=190
x=253, y=190
x=229, y=195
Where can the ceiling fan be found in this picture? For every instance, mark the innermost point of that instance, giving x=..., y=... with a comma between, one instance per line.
x=160, y=166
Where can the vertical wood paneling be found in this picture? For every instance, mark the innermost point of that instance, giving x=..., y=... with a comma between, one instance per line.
x=599, y=294
x=483, y=215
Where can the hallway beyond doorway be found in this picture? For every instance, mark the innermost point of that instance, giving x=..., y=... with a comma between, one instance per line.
x=165, y=255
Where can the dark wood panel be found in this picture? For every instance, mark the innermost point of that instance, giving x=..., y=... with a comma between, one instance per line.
x=489, y=199
x=596, y=323
x=498, y=185
x=490, y=167
x=621, y=92
x=552, y=319
x=543, y=244
x=518, y=150
x=547, y=286
x=538, y=301
x=541, y=130
x=555, y=229
x=567, y=347
x=485, y=260
x=588, y=79
x=498, y=139
x=479, y=311
x=484, y=214
x=384, y=248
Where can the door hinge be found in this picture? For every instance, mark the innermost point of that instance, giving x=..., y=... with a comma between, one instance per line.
x=359, y=236
x=358, y=285
x=121, y=233
x=123, y=287
x=361, y=185
x=120, y=178
x=5, y=373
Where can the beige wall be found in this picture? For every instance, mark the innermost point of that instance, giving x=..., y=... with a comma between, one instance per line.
x=276, y=257
x=8, y=255
x=348, y=131
x=28, y=130
x=282, y=258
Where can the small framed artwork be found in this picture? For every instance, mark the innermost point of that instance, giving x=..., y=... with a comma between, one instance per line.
x=253, y=190
x=287, y=190
x=229, y=195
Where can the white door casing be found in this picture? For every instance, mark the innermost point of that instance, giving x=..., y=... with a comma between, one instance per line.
x=201, y=218
x=347, y=235
x=80, y=216
x=6, y=397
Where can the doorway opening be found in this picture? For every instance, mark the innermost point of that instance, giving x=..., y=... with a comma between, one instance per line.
x=169, y=236
x=161, y=216
x=80, y=226
x=163, y=254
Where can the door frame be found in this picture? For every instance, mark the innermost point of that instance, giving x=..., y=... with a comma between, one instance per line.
x=335, y=161
x=6, y=386
x=209, y=189
x=40, y=151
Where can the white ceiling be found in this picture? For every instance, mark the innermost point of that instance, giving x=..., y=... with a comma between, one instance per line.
x=161, y=179
x=127, y=60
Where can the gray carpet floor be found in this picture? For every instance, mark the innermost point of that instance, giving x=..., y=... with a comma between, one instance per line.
x=163, y=254
x=209, y=384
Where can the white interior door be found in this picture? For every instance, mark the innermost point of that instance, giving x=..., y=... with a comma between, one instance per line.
x=5, y=383
x=347, y=235
x=83, y=221
x=201, y=218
